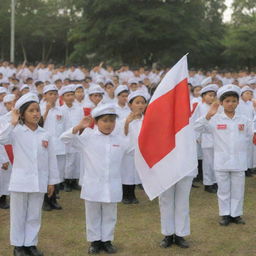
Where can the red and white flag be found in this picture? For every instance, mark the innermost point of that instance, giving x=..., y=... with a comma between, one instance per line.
x=166, y=150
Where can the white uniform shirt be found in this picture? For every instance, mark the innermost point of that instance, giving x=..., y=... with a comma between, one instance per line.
x=72, y=117
x=3, y=109
x=102, y=166
x=54, y=124
x=246, y=108
x=35, y=163
x=230, y=140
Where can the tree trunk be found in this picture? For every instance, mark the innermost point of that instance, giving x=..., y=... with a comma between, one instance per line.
x=24, y=51
x=43, y=52
x=48, y=52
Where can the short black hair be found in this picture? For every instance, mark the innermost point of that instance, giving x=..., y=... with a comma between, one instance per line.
x=228, y=94
x=99, y=117
x=206, y=93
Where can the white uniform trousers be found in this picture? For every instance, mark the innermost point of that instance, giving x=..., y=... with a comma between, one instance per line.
x=208, y=171
x=100, y=220
x=5, y=176
x=25, y=218
x=230, y=192
x=250, y=155
x=174, y=208
x=61, y=161
x=72, y=166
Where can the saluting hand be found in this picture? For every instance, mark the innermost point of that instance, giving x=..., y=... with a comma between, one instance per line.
x=213, y=110
x=5, y=166
x=15, y=117
x=84, y=123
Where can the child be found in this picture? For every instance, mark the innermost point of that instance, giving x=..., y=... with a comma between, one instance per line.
x=208, y=94
x=102, y=188
x=110, y=92
x=245, y=107
x=34, y=172
x=137, y=102
x=54, y=125
x=122, y=108
x=72, y=114
x=79, y=95
x=3, y=92
x=231, y=133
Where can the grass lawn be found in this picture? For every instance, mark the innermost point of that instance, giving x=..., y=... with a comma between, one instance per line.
x=138, y=228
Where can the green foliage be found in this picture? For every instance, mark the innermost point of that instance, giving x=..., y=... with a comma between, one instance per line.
x=137, y=32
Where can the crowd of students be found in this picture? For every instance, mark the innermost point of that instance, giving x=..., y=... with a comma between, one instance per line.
x=71, y=128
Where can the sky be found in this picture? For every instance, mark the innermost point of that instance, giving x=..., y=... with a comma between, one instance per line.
x=228, y=12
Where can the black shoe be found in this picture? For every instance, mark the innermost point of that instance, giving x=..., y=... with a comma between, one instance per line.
x=126, y=201
x=225, y=220
x=215, y=185
x=167, y=242
x=67, y=186
x=33, y=251
x=94, y=247
x=181, y=242
x=61, y=186
x=248, y=173
x=237, y=220
x=210, y=189
x=4, y=203
x=194, y=185
x=46, y=205
x=135, y=201
x=140, y=186
x=75, y=185
x=55, y=205
x=19, y=251
x=108, y=247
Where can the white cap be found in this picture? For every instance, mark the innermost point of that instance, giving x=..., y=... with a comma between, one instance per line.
x=209, y=88
x=104, y=109
x=66, y=88
x=132, y=81
x=24, y=86
x=8, y=98
x=137, y=93
x=206, y=81
x=49, y=87
x=26, y=98
x=99, y=80
x=251, y=81
x=246, y=88
x=95, y=88
x=3, y=90
x=120, y=89
x=109, y=81
x=228, y=88
x=76, y=86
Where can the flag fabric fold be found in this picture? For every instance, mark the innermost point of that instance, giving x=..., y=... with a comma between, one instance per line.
x=166, y=149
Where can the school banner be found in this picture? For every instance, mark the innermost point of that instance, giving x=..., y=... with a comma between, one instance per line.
x=166, y=149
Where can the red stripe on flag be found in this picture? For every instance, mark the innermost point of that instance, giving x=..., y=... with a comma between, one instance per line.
x=194, y=107
x=164, y=117
x=9, y=151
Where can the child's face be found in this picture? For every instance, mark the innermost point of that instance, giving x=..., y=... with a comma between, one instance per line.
x=209, y=97
x=109, y=89
x=229, y=104
x=79, y=94
x=96, y=98
x=9, y=105
x=2, y=96
x=106, y=124
x=247, y=95
x=196, y=92
x=68, y=97
x=138, y=105
x=122, y=98
x=32, y=114
x=51, y=96
x=134, y=87
x=24, y=91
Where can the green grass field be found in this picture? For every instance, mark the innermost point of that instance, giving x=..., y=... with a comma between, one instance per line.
x=138, y=228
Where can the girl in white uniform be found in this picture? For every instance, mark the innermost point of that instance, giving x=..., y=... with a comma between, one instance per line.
x=72, y=114
x=34, y=173
x=103, y=151
x=137, y=101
